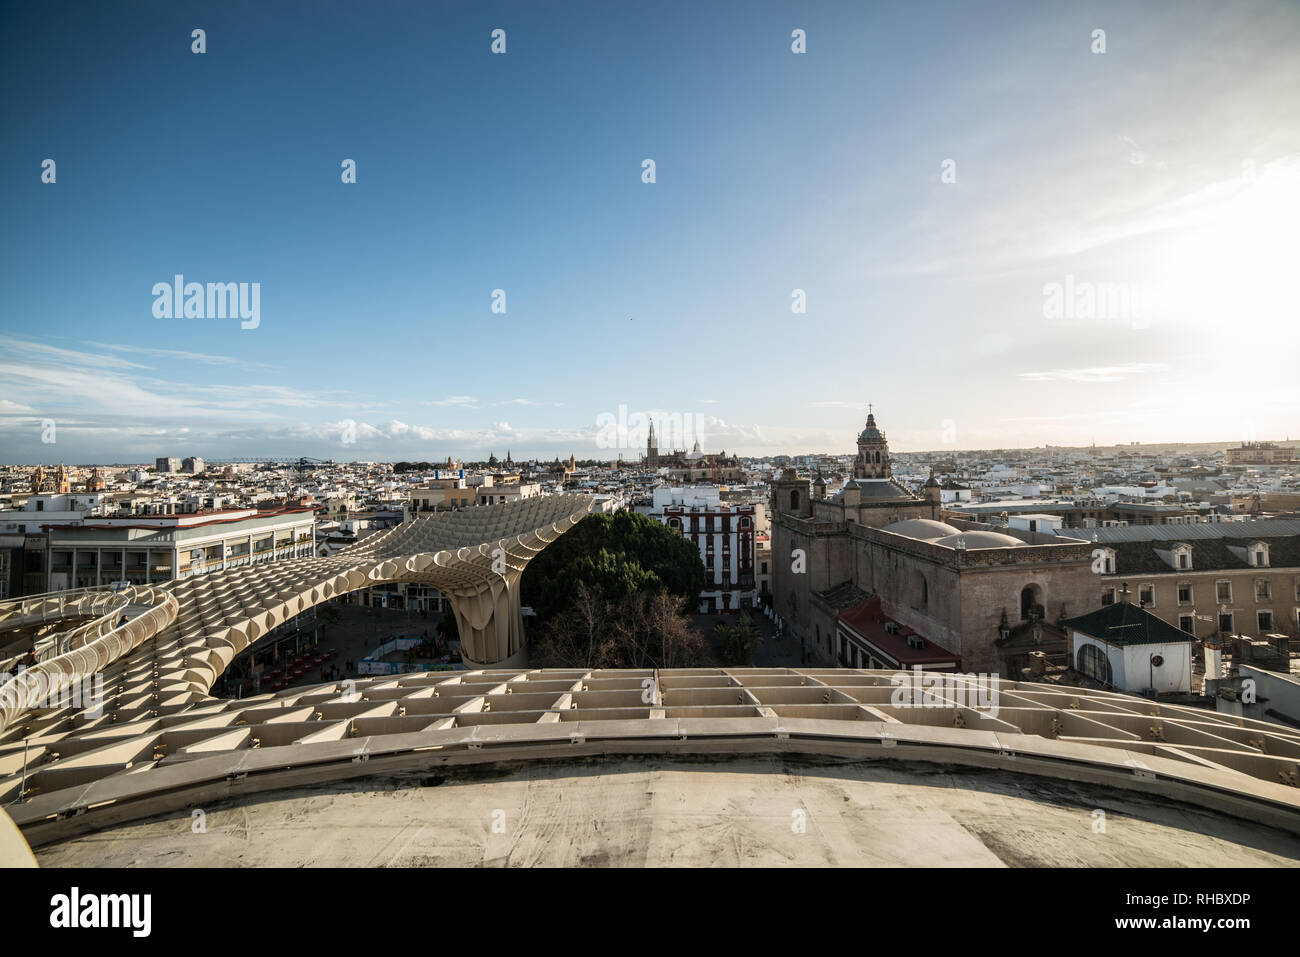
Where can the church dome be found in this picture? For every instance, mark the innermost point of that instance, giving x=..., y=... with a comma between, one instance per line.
x=925, y=529
x=871, y=433
x=980, y=540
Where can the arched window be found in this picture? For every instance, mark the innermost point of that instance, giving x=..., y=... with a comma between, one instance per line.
x=1031, y=605
x=1092, y=661
x=794, y=499
x=920, y=591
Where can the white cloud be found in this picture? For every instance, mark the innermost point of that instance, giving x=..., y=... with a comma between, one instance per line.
x=463, y=401
x=181, y=355
x=40, y=352
x=1095, y=373
x=835, y=404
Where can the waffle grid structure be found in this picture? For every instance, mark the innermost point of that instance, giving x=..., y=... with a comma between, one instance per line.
x=221, y=750
x=162, y=744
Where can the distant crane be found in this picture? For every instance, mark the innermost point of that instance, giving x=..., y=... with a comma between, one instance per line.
x=306, y=462
x=302, y=463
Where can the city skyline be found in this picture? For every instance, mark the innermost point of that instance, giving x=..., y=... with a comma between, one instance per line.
x=284, y=458
x=1112, y=271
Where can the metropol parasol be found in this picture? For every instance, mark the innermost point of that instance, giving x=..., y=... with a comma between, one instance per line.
x=161, y=742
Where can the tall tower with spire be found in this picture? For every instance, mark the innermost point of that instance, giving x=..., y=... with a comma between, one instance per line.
x=652, y=448
x=873, y=451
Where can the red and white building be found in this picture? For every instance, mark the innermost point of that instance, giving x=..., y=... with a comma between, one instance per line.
x=726, y=536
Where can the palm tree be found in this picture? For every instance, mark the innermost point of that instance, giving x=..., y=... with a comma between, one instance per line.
x=739, y=641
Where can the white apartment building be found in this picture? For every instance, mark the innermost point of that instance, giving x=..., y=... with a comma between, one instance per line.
x=726, y=536
x=91, y=550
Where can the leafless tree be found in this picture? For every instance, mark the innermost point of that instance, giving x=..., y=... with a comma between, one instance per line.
x=644, y=630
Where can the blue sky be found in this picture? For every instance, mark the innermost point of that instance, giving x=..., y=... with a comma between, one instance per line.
x=1166, y=166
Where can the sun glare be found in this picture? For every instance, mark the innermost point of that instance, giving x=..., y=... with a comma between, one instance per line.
x=1234, y=270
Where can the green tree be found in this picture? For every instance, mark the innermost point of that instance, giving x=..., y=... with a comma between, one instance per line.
x=615, y=556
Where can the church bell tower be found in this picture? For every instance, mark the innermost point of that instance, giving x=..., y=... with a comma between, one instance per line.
x=873, y=452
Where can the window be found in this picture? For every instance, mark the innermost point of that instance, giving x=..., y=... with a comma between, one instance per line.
x=1092, y=661
x=1031, y=608
x=40, y=505
x=1223, y=592
x=1264, y=620
x=1146, y=595
x=1263, y=589
x=1108, y=596
x=1187, y=623
x=1184, y=560
x=920, y=591
x=1260, y=553
x=1184, y=593
x=794, y=500
x=1225, y=623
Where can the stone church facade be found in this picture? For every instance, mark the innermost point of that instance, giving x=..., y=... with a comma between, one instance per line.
x=971, y=590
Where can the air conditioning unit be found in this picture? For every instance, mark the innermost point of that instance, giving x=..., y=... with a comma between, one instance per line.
x=915, y=641
x=891, y=627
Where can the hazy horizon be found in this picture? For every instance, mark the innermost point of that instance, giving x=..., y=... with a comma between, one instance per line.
x=519, y=458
